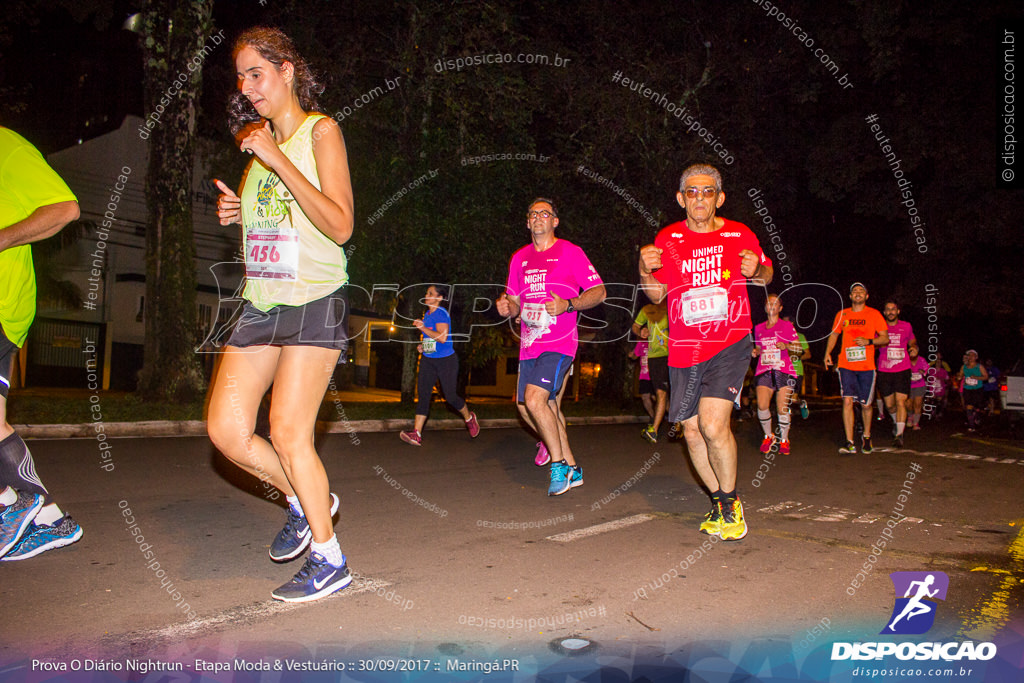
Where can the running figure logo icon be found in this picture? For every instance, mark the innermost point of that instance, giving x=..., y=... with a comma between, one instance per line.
x=914, y=612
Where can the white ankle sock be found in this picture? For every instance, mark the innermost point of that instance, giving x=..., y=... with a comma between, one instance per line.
x=48, y=514
x=330, y=550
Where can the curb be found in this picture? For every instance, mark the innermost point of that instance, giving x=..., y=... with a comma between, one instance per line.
x=165, y=428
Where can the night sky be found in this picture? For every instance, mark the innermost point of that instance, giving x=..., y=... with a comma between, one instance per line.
x=934, y=74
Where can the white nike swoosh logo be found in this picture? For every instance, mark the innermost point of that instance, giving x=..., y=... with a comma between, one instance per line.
x=544, y=379
x=320, y=584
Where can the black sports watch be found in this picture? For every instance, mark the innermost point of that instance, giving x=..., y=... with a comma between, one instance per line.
x=570, y=308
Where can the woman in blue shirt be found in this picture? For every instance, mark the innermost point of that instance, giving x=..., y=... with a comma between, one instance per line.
x=438, y=363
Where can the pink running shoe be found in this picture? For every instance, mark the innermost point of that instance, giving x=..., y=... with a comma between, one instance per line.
x=411, y=436
x=473, y=426
x=543, y=457
x=784, y=447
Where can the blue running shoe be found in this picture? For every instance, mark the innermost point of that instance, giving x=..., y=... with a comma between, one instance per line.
x=559, y=478
x=294, y=538
x=16, y=518
x=42, y=537
x=575, y=476
x=316, y=579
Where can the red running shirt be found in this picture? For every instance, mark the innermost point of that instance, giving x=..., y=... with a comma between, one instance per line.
x=708, y=306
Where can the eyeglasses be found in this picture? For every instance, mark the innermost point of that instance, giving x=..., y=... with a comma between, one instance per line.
x=539, y=214
x=706, y=192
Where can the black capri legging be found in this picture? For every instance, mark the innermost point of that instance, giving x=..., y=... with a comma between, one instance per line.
x=433, y=369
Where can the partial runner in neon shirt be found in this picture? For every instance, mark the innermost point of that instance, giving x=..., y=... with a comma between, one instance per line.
x=651, y=324
x=798, y=368
x=35, y=203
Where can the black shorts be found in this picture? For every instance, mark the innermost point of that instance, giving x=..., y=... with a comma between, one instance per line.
x=889, y=383
x=775, y=380
x=323, y=322
x=975, y=398
x=7, y=352
x=658, y=369
x=646, y=387
x=720, y=376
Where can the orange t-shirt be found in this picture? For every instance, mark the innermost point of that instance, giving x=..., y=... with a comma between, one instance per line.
x=867, y=322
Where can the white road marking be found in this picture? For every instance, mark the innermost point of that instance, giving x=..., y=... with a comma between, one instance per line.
x=869, y=518
x=254, y=612
x=953, y=456
x=600, y=528
x=826, y=513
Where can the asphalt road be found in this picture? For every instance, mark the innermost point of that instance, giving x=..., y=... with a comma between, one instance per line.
x=459, y=553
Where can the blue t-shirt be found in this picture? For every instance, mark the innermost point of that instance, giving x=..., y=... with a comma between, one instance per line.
x=430, y=321
x=992, y=383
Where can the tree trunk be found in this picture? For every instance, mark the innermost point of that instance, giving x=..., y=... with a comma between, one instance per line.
x=174, y=46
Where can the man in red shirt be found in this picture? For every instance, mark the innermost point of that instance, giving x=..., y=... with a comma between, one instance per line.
x=703, y=265
x=862, y=328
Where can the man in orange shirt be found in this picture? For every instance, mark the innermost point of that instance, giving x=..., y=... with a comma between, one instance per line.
x=861, y=327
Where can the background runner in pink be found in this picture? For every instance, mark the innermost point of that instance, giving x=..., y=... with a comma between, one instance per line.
x=772, y=343
x=893, y=357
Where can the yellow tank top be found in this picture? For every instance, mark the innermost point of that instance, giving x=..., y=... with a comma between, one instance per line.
x=288, y=261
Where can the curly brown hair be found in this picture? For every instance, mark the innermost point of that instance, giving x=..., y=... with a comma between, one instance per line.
x=274, y=46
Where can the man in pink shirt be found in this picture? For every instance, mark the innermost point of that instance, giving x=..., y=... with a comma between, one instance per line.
x=549, y=280
x=894, y=369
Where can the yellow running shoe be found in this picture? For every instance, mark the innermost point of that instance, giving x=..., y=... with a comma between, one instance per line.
x=733, y=527
x=712, y=524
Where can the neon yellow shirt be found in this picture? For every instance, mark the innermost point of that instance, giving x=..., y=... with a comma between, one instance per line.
x=288, y=261
x=657, y=331
x=26, y=183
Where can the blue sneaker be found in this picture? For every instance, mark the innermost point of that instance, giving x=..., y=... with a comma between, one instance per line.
x=316, y=579
x=294, y=538
x=804, y=412
x=16, y=518
x=42, y=537
x=559, y=478
x=575, y=476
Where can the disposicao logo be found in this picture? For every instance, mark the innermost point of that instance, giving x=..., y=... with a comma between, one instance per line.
x=914, y=612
